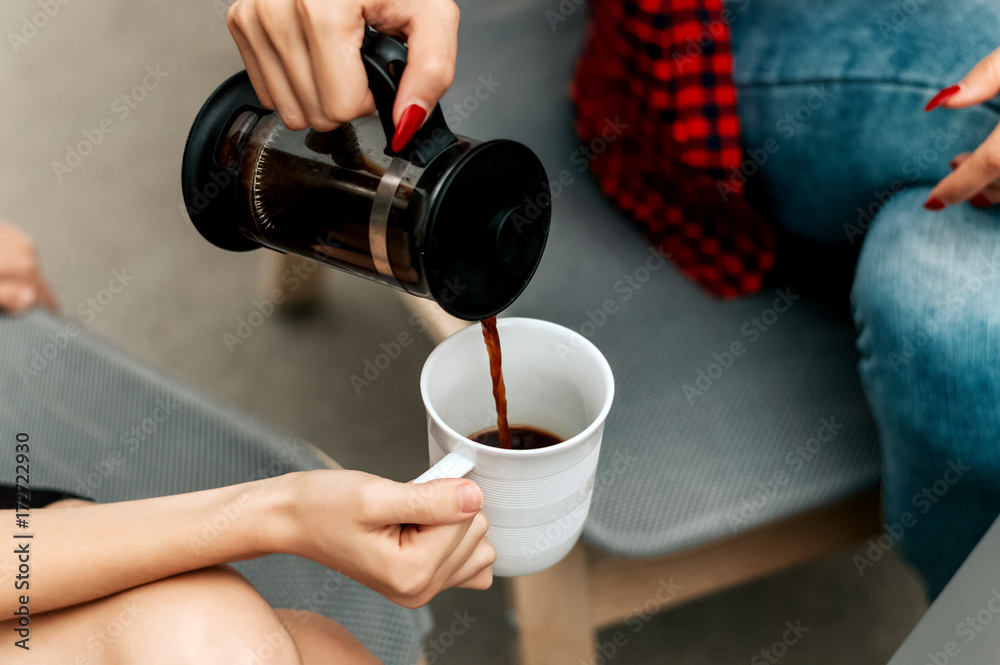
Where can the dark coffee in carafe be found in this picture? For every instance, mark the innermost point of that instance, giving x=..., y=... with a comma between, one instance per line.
x=448, y=218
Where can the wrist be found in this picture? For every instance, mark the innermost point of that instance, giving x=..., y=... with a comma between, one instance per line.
x=277, y=524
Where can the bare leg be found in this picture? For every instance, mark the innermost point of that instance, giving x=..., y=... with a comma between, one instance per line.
x=205, y=616
x=323, y=641
x=211, y=615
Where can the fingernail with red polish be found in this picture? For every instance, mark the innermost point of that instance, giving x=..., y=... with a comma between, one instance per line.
x=933, y=204
x=940, y=97
x=408, y=125
x=953, y=164
x=980, y=201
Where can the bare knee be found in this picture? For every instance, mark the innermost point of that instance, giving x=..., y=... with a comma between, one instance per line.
x=206, y=616
x=320, y=640
x=70, y=504
x=212, y=615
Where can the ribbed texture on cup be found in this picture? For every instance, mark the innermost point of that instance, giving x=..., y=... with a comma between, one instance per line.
x=535, y=540
x=540, y=491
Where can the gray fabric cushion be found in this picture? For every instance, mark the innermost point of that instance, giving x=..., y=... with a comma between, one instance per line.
x=674, y=471
x=105, y=426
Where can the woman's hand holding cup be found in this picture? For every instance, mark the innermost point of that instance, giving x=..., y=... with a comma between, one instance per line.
x=406, y=541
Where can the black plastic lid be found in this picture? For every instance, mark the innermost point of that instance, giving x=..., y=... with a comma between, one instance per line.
x=211, y=189
x=488, y=224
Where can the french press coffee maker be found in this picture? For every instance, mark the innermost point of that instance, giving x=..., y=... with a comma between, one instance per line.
x=449, y=218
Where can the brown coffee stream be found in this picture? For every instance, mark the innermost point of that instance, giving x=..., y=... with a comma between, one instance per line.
x=516, y=437
x=492, y=338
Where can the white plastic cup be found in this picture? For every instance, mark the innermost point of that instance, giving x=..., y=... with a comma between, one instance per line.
x=536, y=500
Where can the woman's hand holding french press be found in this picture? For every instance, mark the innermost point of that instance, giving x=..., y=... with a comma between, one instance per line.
x=303, y=57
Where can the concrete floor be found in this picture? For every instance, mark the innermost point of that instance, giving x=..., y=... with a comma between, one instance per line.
x=118, y=209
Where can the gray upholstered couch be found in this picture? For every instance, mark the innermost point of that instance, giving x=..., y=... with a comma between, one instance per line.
x=703, y=434
x=701, y=445
x=106, y=426
x=740, y=441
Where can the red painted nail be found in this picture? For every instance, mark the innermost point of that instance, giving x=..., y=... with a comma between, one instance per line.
x=408, y=125
x=933, y=204
x=940, y=97
x=980, y=201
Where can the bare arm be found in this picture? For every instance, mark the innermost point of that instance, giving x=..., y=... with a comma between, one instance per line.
x=350, y=521
x=79, y=554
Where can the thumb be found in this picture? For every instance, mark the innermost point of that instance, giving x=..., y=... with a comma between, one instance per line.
x=979, y=85
x=445, y=501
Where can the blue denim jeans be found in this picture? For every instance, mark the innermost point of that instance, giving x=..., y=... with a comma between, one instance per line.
x=831, y=102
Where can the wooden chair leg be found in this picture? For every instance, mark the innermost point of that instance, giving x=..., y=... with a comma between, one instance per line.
x=620, y=586
x=298, y=279
x=552, y=613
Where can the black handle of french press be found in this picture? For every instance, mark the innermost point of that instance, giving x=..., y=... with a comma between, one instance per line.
x=385, y=59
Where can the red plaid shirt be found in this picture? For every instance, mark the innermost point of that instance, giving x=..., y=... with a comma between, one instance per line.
x=664, y=68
